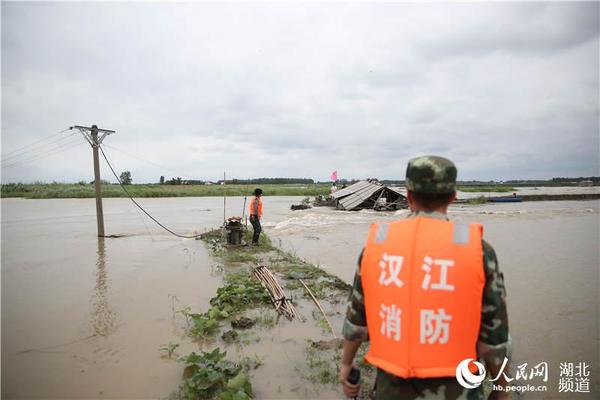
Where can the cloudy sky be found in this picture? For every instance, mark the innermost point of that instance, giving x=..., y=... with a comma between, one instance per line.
x=505, y=90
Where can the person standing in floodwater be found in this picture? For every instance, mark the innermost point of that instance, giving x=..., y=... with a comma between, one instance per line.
x=429, y=296
x=256, y=214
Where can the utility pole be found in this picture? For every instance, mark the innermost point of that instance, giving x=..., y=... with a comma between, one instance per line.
x=224, y=199
x=90, y=134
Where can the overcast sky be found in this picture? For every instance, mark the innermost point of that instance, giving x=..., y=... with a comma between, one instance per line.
x=298, y=90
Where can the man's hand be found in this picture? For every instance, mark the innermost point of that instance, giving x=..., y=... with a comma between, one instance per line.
x=349, y=351
x=350, y=390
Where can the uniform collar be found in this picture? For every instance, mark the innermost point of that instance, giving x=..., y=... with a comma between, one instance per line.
x=429, y=214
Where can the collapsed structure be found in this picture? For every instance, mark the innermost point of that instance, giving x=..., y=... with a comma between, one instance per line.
x=370, y=194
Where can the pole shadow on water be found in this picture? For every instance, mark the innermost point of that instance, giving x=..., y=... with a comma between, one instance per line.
x=103, y=317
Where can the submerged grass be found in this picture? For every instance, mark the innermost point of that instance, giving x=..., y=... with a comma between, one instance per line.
x=294, y=268
x=240, y=291
x=209, y=375
x=322, y=366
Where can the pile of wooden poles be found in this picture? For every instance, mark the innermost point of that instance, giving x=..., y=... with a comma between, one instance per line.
x=282, y=304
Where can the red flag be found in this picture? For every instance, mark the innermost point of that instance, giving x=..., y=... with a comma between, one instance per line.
x=334, y=176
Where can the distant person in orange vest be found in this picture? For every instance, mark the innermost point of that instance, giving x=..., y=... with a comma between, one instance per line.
x=428, y=294
x=256, y=214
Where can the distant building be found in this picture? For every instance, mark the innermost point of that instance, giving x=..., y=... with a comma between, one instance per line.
x=586, y=183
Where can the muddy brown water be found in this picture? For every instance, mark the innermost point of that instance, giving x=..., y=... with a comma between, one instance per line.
x=83, y=318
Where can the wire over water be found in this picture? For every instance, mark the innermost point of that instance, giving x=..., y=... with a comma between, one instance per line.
x=138, y=205
x=41, y=155
x=184, y=176
x=38, y=146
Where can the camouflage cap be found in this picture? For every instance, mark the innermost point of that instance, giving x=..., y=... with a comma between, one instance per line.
x=431, y=174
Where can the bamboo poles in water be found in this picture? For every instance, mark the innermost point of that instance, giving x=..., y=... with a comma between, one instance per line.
x=312, y=296
x=282, y=304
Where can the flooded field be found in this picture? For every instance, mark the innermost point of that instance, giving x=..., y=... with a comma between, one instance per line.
x=83, y=318
x=548, y=252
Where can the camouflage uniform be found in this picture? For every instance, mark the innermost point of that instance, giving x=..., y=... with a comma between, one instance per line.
x=437, y=175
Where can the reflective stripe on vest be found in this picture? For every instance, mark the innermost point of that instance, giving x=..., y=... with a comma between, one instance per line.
x=256, y=206
x=423, y=282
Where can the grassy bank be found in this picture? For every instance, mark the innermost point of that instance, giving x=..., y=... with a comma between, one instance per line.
x=84, y=190
x=486, y=188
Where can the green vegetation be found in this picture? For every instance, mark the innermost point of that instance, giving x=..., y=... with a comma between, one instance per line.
x=203, y=324
x=244, y=303
x=274, y=187
x=594, y=179
x=267, y=319
x=477, y=200
x=125, y=178
x=486, y=188
x=240, y=257
x=271, y=181
x=318, y=280
x=210, y=376
x=215, y=240
x=85, y=190
x=322, y=365
x=169, y=350
x=177, y=187
x=241, y=292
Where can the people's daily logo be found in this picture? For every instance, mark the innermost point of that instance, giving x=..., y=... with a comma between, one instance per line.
x=574, y=376
x=466, y=378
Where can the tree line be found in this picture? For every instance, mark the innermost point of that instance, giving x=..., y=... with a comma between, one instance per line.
x=595, y=179
x=256, y=181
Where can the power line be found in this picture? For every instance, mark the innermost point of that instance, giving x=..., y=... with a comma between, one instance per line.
x=39, y=156
x=186, y=176
x=138, y=213
x=9, y=154
x=57, y=150
x=137, y=204
x=36, y=141
x=36, y=150
x=39, y=151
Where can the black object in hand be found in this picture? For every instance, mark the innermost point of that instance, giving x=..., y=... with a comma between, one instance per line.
x=354, y=376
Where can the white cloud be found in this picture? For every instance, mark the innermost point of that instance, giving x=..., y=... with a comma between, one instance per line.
x=506, y=90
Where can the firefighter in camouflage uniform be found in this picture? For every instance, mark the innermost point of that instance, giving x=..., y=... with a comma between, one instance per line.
x=427, y=294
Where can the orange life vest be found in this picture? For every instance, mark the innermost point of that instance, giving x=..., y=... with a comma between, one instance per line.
x=423, y=282
x=258, y=207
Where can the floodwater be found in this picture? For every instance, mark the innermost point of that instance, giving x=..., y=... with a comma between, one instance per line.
x=548, y=252
x=85, y=318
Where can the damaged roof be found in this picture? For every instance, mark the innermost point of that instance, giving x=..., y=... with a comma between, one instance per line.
x=350, y=189
x=363, y=194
